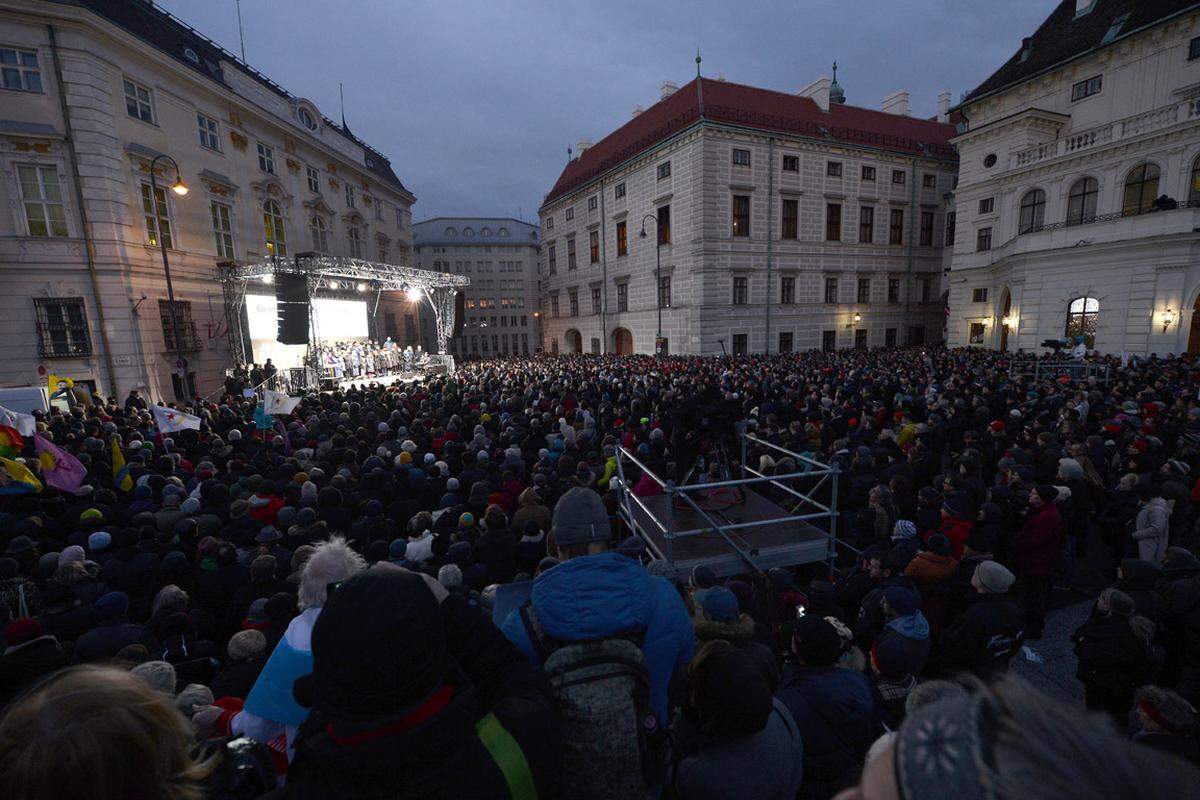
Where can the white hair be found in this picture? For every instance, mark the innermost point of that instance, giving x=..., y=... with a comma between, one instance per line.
x=330, y=562
x=450, y=576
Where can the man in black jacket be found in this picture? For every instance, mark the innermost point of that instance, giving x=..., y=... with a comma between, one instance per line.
x=986, y=636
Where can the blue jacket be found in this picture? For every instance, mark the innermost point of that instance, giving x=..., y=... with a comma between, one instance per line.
x=608, y=594
x=834, y=709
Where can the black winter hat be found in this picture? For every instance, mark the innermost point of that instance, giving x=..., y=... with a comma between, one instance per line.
x=733, y=697
x=816, y=641
x=379, y=646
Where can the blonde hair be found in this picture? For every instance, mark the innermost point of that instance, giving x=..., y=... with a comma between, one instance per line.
x=98, y=733
x=330, y=562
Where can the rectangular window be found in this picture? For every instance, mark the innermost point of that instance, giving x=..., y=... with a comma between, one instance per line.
x=864, y=290
x=833, y=169
x=573, y=300
x=139, y=103
x=592, y=204
x=791, y=163
x=664, y=170
x=926, y=239
x=551, y=261
x=987, y=205
x=868, y=173
x=570, y=252
x=926, y=290
x=866, y=224
x=791, y=219
x=1086, y=88
x=831, y=290
x=619, y=191
x=979, y=295
x=622, y=239
x=664, y=225
x=741, y=215
x=594, y=247
x=860, y=339
x=554, y=304
x=889, y=337
x=314, y=185
x=189, y=342
x=929, y=181
x=739, y=344
x=833, y=222
x=893, y=285
x=350, y=199
x=664, y=291
x=549, y=223
x=62, y=327
x=19, y=70
x=595, y=302
x=950, y=218
x=740, y=290
x=210, y=132
x=741, y=158
x=1193, y=49
x=896, y=228
x=898, y=177
x=828, y=341
x=41, y=197
x=785, y=341
x=787, y=290
x=983, y=239
x=222, y=229
x=155, y=211
x=622, y=297
x=570, y=215
x=975, y=333
x=266, y=162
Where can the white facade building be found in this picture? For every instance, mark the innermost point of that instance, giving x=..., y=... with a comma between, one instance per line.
x=500, y=256
x=780, y=222
x=90, y=94
x=1067, y=150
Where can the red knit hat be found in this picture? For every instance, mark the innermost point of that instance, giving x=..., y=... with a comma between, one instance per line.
x=20, y=631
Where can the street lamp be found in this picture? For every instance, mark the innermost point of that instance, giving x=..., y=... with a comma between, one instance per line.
x=657, y=276
x=181, y=189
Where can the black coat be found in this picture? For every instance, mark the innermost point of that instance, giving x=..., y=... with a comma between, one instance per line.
x=25, y=663
x=1111, y=655
x=498, y=552
x=983, y=638
x=108, y=638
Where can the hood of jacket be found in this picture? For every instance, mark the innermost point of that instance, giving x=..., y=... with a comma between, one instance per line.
x=529, y=497
x=913, y=626
x=593, y=597
x=740, y=630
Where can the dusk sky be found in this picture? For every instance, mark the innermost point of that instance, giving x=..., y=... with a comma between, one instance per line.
x=476, y=103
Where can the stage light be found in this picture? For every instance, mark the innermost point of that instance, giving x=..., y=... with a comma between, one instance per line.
x=414, y=295
x=268, y=278
x=362, y=287
x=333, y=285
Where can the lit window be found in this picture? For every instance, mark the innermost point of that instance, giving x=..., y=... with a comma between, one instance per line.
x=156, y=213
x=1082, y=315
x=276, y=239
x=741, y=215
x=62, y=327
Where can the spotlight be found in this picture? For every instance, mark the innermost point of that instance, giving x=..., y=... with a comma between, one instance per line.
x=268, y=278
x=333, y=285
x=414, y=295
x=362, y=287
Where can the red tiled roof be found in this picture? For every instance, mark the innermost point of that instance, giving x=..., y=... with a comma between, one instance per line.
x=761, y=109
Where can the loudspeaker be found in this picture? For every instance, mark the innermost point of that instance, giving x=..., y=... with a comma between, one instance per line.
x=291, y=300
x=460, y=310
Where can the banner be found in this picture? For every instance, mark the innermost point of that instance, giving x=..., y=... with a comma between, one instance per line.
x=170, y=420
x=15, y=478
x=25, y=424
x=278, y=402
x=121, y=477
x=59, y=468
x=11, y=442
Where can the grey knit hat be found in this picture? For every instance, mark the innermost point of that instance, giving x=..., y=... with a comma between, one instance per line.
x=580, y=517
x=159, y=674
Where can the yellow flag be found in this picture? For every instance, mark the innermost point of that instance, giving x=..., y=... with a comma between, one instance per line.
x=57, y=384
x=15, y=478
x=121, y=477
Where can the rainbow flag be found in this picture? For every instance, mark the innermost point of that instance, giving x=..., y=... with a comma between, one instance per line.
x=121, y=478
x=15, y=478
x=59, y=468
x=11, y=442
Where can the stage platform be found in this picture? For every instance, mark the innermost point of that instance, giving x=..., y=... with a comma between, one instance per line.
x=386, y=380
x=773, y=543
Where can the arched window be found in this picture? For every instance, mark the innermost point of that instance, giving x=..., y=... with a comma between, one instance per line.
x=1081, y=202
x=273, y=229
x=1141, y=189
x=355, y=237
x=320, y=234
x=1082, y=315
x=1033, y=211
x=1194, y=186
x=451, y=232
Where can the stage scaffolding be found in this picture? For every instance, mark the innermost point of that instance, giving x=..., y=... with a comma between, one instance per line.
x=439, y=289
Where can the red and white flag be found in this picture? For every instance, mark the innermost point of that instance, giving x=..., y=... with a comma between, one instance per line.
x=170, y=420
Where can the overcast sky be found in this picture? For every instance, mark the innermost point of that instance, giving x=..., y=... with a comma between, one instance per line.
x=475, y=103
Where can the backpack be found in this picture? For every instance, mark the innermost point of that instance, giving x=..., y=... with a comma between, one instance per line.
x=613, y=745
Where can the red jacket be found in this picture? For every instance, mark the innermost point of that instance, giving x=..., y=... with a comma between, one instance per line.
x=1035, y=550
x=956, y=530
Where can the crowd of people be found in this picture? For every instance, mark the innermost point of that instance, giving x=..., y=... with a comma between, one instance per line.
x=323, y=610
x=355, y=360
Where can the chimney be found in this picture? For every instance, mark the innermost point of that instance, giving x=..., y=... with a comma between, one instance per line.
x=896, y=103
x=581, y=146
x=818, y=90
x=667, y=89
x=943, y=106
x=637, y=110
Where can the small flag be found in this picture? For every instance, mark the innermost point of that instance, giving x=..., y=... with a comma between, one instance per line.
x=121, y=477
x=59, y=468
x=262, y=420
x=25, y=424
x=15, y=478
x=278, y=402
x=58, y=385
x=11, y=442
x=170, y=420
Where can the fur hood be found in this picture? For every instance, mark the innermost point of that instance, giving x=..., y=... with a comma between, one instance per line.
x=741, y=630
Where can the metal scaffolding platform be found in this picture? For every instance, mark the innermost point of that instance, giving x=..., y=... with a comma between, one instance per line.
x=752, y=532
x=1074, y=371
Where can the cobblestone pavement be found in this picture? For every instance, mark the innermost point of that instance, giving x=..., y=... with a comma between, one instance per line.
x=1056, y=674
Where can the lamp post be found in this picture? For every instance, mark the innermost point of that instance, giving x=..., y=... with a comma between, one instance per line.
x=181, y=189
x=537, y=319
x=657, y=278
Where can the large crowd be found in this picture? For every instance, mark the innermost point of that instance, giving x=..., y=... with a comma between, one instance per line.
x=316, y=609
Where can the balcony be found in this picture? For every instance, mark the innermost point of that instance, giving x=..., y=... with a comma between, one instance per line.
x=1128, y=128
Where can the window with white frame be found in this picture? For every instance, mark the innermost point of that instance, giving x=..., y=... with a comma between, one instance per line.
x=62, y=327
x=19, y=70
x=157, y=214
x=314, y=179
x=222, y=225
x=354, y=236
x=273, y=229
x=210, y=132
x=41, y=197
x=320, y=234
x=266, y=158
x=139, y=103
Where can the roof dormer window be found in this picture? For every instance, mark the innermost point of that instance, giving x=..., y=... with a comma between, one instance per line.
x=307, y=118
